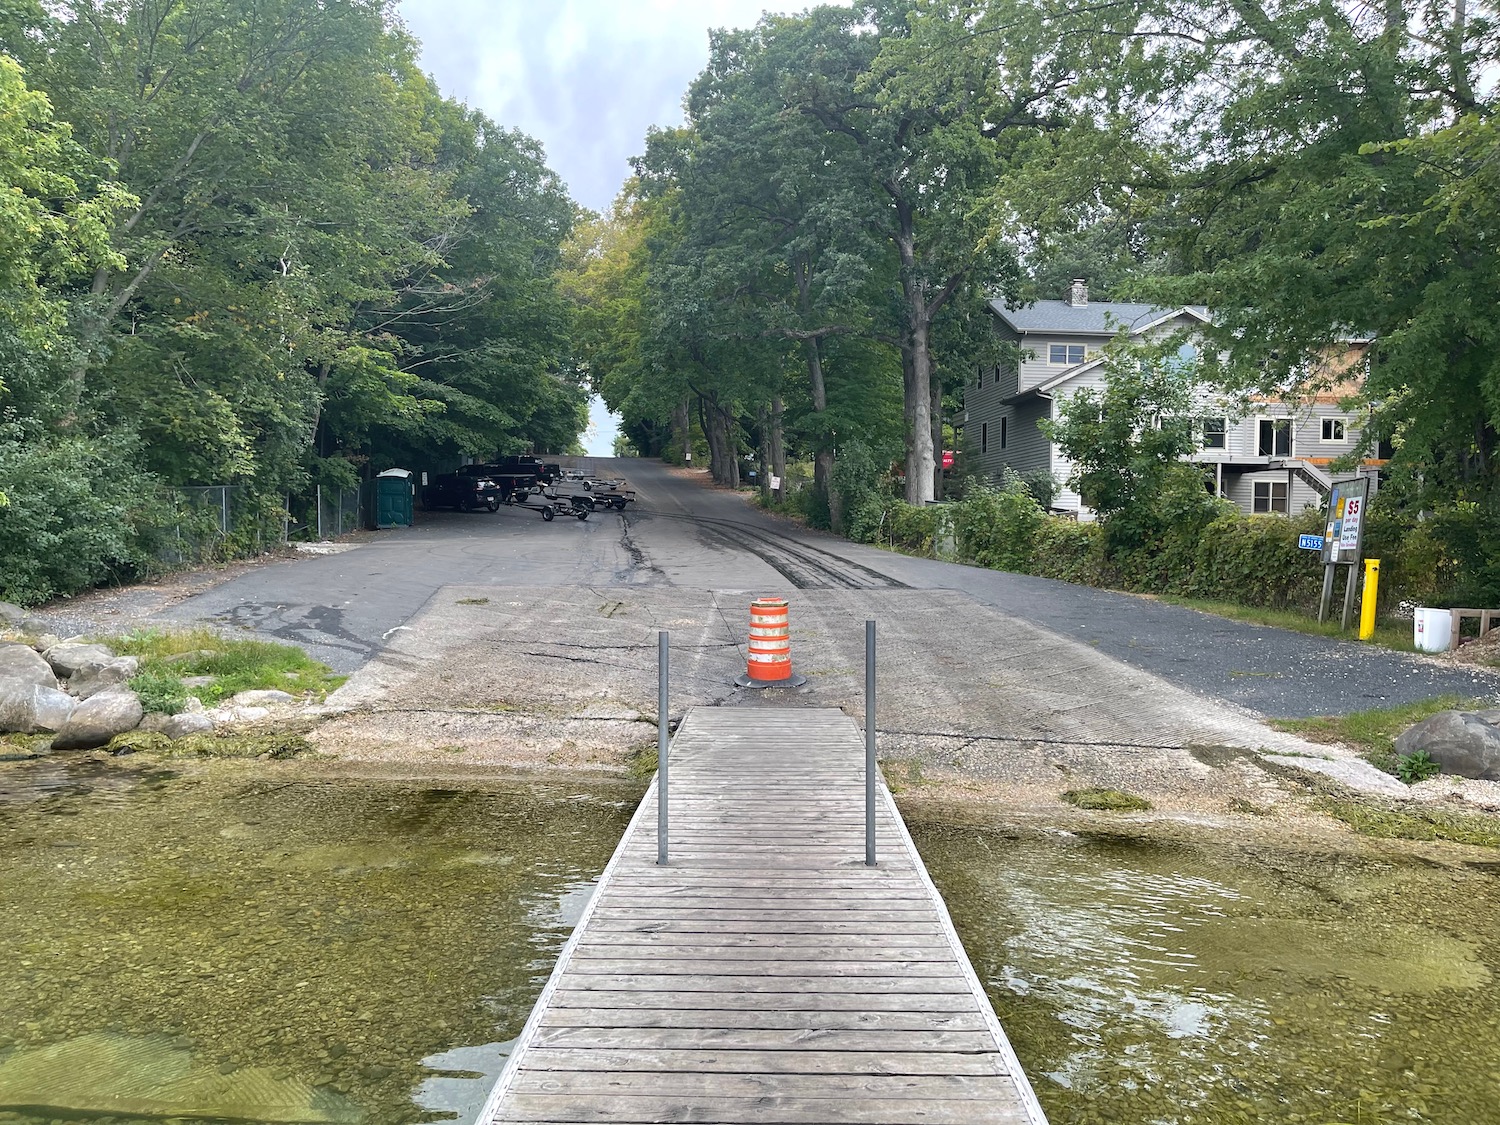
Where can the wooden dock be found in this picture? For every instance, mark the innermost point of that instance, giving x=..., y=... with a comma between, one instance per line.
x=765, y=974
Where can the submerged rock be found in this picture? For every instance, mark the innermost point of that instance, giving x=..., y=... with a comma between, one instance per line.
x=99, y=718
x=1463, y=743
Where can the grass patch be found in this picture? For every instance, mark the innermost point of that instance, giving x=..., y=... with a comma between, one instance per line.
x=160, y=691
x=1111, y=800
x=473, y=601
x=1417, y=824
x=1391, y=634
x=1372, y=733
x=236, y=665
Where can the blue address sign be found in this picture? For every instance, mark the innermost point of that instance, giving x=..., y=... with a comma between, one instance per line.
x=1310, y=542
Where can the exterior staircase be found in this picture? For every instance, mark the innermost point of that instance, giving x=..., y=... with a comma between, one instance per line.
x=1310, y=474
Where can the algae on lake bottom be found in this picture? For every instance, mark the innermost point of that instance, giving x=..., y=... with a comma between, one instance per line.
x=1160, y=983
x=272, y=944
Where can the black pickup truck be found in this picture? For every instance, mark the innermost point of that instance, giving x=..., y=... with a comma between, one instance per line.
x=470, y=488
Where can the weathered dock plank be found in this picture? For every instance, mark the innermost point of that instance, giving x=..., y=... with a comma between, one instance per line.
x=765, y=974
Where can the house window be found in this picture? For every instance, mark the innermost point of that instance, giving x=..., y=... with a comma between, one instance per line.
x=1065, y=355
x=1333, y=429
x=984, y=437
x=1270, y=496
x=1274, y=437
x=1004, y=431
x=1215, y=433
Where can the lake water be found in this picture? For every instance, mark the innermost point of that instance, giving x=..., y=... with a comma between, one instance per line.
x=238, y=942
x=272, y=947
x=1147, y=983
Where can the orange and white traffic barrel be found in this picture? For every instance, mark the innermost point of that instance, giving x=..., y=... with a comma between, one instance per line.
x=770, y=658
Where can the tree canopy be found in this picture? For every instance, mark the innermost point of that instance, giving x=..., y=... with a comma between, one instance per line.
x=255, y=246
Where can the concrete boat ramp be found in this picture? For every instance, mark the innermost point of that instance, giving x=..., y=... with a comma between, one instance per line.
x=765, y=973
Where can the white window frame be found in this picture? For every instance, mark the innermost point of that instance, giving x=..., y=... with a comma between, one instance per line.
x=1291, y=435
x=1342, y=425
x=1067, y=360
x=1270, y=498
x=1222, y=431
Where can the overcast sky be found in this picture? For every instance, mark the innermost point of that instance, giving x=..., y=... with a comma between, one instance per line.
x=587, y=78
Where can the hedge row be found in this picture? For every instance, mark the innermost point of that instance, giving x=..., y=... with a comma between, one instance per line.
x=1247, y=560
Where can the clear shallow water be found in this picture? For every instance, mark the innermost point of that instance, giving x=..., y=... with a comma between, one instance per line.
x=234, y=945
x=1145, y=983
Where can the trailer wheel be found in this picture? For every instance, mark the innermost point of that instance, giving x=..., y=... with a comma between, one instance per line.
x=582, y=513
x=548, y=513
x=619, y=505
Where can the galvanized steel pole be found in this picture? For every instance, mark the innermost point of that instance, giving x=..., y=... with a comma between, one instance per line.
x=662, y=649
x=870, y=743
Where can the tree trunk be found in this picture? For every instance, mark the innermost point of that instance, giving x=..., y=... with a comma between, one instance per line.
x=916, y=361
x=937, y=437
x=778, y=446
x=682, y=431
x=916, y=365
x=823, y=454
x=763, y=451
x=718, y=426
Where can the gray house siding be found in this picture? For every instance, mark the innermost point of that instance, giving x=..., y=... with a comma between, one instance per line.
x=1240, y=489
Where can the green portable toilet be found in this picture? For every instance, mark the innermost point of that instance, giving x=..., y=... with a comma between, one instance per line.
x=388, y=500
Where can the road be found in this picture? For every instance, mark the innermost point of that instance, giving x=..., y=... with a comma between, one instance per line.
x=683, y=536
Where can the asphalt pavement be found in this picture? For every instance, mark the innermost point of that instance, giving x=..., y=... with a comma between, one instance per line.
x=347, y=607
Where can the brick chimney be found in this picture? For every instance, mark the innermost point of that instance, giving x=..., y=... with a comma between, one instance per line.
x=1078, y=295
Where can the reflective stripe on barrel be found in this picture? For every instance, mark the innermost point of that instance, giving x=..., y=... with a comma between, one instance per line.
x=770, y=640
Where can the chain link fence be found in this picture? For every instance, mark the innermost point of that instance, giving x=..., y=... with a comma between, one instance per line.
x=200, y=525
x=339, y=511
x=206, y=523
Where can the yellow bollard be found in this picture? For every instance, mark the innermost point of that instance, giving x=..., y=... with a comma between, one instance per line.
x=1367, y=605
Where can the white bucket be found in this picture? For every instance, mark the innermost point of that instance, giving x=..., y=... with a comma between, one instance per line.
x=1434, y=630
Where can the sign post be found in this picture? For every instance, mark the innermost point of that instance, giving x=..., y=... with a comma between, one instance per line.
x=1343, y=540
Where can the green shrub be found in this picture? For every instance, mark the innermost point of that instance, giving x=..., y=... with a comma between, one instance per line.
x=1072, y=552
x=73, y=514
x=160, y=691
x=913, y=529
x=858, y=480
x=998, y=527
x=1255, y=560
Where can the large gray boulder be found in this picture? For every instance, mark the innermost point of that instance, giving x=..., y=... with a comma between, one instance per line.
x=1463, y=743
x=91, y=678
x=29, y=708
x=71, y=657
x=99, y=718
x=12, y=615
x=21, y=666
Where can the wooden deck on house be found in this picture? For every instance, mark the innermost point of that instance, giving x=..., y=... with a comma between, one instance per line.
x=765, y=974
